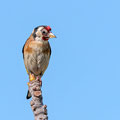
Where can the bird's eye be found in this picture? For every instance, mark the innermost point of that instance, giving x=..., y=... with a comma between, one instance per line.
x=44, y=32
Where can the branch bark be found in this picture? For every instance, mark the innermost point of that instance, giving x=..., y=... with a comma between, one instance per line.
x=39, y=110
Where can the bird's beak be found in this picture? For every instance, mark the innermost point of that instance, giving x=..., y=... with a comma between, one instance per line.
x=51, y=35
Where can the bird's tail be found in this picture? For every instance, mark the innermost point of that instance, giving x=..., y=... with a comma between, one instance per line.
x=28, y=95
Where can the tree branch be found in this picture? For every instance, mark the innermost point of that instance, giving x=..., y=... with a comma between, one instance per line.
x=39, y=110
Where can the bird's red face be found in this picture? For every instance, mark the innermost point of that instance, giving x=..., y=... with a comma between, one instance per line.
x=43, y=33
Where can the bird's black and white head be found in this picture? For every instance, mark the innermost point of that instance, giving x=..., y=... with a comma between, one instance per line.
x=42, y=33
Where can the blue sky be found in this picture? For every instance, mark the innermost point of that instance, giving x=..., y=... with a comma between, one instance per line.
x=83, y=78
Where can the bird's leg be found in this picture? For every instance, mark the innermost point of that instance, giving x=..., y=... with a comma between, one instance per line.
x=28, y=83
x=39, y=78
x=31, y=77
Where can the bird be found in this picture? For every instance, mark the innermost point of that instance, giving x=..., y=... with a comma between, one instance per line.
x=36, y=52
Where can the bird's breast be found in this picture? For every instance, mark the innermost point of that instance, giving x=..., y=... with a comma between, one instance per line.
x=37, y=58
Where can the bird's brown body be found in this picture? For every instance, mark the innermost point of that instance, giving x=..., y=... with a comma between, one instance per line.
x=36, y=56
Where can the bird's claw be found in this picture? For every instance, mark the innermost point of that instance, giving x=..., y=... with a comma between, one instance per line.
x=28, y=83
x=39, y=79
x=31, y=77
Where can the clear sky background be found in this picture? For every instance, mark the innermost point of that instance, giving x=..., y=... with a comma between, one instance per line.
x=82, y=81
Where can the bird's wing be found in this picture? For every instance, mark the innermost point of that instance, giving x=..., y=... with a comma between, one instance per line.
x=49, y=48
x=26, y=43
x=23, y=56
x=23, y=50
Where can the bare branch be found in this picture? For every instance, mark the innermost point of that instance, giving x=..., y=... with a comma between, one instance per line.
x=39, y=110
